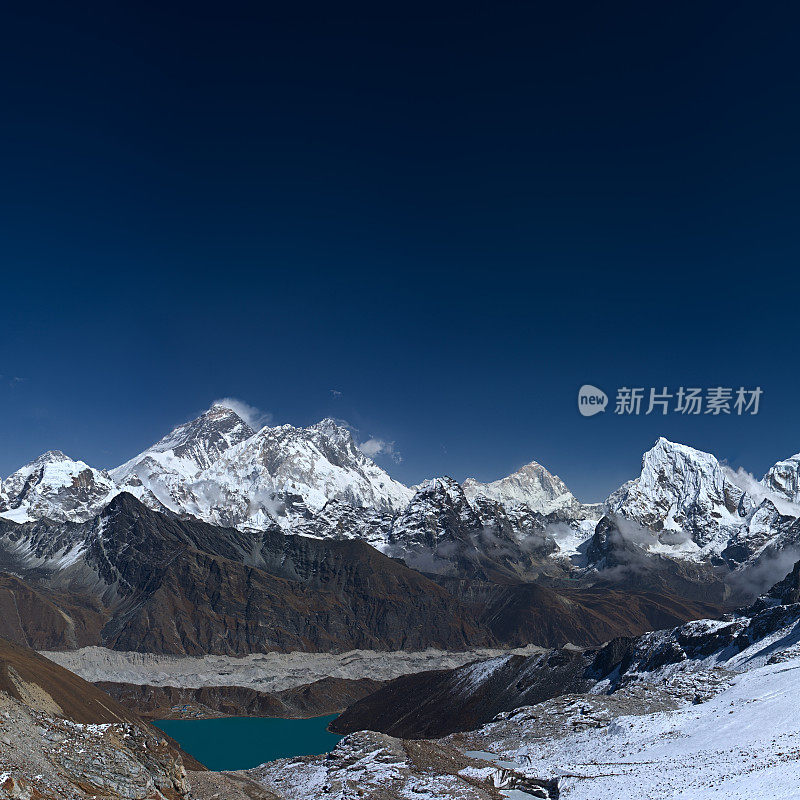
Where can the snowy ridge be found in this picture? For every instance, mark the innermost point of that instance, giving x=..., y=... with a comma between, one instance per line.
x=784, y=478
x=314, y=481
x=215, y=468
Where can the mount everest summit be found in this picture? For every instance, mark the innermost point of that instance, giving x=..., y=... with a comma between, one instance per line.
x=684, y=506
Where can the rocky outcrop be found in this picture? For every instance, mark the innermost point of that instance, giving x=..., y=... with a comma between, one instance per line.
x=787, y=591
x=441, y=532
x=61, y=738
x=374, y=766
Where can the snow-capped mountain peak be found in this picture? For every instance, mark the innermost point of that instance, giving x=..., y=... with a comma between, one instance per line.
x=318, y=464
x=531, y=485
x=682, y=490
x=160, y=476
x=56, y=487
x=784, y=478
x=194, y=445
x=217, y=468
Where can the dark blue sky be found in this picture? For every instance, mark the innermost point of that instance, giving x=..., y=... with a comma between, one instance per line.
x=453, y=215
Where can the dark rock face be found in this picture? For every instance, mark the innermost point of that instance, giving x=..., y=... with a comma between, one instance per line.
x=520, y=613
x=787, y=591
x=442, y=533
x=48, y=619
x=135, y=579
x=624, y=566
x=429, y=705
x=154, y=583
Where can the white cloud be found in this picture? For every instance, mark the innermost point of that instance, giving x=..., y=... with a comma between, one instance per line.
x=254, y=417
x=379, y=447
x=335, y=393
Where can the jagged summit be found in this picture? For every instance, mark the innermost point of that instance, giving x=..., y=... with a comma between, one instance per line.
x=51, y=457
x=317, y=464
x=194, y=445
x=55, y=487
x=784, y=478
x=532, y=485
x=687, y=505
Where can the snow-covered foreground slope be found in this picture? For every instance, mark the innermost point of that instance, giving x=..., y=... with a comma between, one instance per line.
x=743, y=743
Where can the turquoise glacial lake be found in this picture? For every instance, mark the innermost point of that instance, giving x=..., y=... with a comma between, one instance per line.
x=245, y=742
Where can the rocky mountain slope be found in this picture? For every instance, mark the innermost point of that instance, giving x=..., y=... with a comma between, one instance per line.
x=134, y=579
x=431, y=704
x=62, y=738
x=686, y=531
x=704, y=709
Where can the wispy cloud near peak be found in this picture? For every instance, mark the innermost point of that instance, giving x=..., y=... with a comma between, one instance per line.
x=254, y=417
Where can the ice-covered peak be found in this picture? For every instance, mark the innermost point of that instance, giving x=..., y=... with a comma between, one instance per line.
x=331, y=428
x=188, y=449
x=784, y=478
x=531, y=485
x=336, y=442
x=319, y=463
x=207, y=436
x=57, y=487
x=682, y=490
x=51, y=457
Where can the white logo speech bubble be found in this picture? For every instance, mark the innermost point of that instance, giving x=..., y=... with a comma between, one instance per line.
x=591, y=400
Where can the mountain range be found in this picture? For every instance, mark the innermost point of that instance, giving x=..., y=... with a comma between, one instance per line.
x=221, y=542
x=315, y=482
